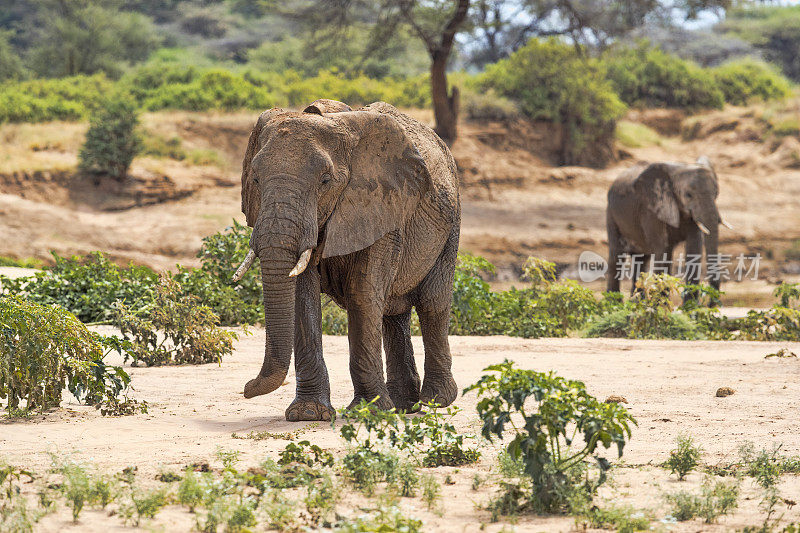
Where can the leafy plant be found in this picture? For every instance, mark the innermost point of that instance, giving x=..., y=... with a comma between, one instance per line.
x=44, y=349
x=545, y=443
x=143, y=504
x=684, y=458
x=174, y=329
x=87, y=286
x=715, y=499
x=551, y=81
x=306, y=453
x=431, y=491
x=382, y=519
x=112, y=140
x=431, y=437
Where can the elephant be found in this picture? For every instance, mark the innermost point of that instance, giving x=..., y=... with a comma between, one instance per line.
x=364, y=207
x=653, y=207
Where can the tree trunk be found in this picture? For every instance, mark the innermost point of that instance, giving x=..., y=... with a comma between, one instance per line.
x=445, y=103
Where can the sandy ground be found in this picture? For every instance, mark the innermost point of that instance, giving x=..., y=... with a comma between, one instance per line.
x=669, y=385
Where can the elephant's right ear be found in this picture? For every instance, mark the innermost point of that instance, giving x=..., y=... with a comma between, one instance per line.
x=251, y=199
x=654, y=189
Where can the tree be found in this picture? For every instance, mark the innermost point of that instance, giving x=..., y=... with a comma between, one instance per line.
x=773, y=30
x=112, y=141
x=500, y=27
x=434, y=22
x=10, y=63
x=89, y=36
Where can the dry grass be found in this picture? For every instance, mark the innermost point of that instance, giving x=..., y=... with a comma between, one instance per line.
x=49, y=146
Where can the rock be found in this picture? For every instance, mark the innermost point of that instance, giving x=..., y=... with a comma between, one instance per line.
x=616, y=399
x=724, y=391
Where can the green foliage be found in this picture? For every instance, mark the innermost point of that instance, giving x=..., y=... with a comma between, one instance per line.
x=772, y=29
x=636, y=135
x=112, y=140
x=744, y=80
x=20, y=263
x=44, y=349
x=58, y=99
x=546, y=444
x=431, y=491
x=547, y=308
x=305, y=453
x=173, y=329
x=320, y=500
x=715, y=499
x=488, y=105
x=684, y=458
x=78, y=37
x=143, y=504
x=620, y=519
x=431, y=438
x=81, y=487
x=382, y=519
x=647, y=76
x=552, y=82
x=10, y=62
x=15, y=516
x=87, y=286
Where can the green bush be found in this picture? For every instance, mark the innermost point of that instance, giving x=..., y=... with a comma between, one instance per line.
x=551, y=82
x=112, y=140
x=684, y=458
x=51, y=99
x=44, y=349
x=744, y=80
x=86, y=286
x=173, y=329
x=646, y=76
x=545, y=444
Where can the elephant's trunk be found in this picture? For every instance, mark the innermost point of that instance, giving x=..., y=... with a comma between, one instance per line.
x=282, y=237
x=279, y=300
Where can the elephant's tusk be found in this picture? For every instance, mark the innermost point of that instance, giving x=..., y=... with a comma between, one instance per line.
x=725, y=223
x=248, y=260
x=702, y=227
x=302, y=263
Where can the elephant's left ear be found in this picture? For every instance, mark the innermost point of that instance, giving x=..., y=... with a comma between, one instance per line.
x=388, y=177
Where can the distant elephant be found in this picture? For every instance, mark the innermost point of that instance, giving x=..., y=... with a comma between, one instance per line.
x=363, y=206
x=652, y=208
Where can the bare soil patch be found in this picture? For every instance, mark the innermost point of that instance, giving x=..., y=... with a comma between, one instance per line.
x=669, y=386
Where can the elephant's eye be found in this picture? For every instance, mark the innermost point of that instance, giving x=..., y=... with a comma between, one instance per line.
x=255, y=180
x=325, y=178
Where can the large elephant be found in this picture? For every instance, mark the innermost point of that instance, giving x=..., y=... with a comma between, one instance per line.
x=652, y=208
x=363, y=206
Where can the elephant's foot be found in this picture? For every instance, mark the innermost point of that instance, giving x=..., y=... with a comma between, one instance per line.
x=404, y=395
x=382, y=401
x=440, y=390
x=308, y=409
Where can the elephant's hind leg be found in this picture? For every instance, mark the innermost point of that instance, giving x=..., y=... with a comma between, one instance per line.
x=313, y=399
x=402, y=378
x=435, y=296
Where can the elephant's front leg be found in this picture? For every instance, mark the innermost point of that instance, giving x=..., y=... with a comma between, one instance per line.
x=364, y=323
x=369, y=279
x=313, y=400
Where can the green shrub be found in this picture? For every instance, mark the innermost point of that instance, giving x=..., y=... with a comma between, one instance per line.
x=431, y=438
x=715, y=499
x=545, y=444
x=684, y=458
x=51, y=99
x=551, y=82
x=44, y=349
x=87, y=286
x=744, y=80
x=173, y=329
x=636, y=135
x=488, y=105
x=112, y=140
x=646, y=76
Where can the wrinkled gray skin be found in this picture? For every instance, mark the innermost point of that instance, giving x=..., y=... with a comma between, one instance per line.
x=652, y=208
x=374, y=194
